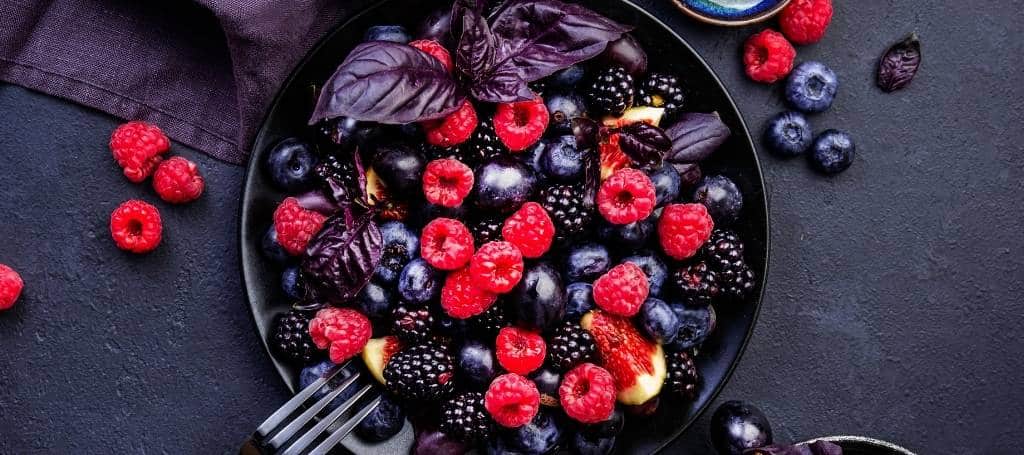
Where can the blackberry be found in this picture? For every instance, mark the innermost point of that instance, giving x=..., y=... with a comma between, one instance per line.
x=465, y=417
x=661, y=90
x=410, y=324
x=610, y=92
x=481, y=146
x=570, y=345
x=337, y=172
x=737, y=282
x=488, y=323
x=486, y=229
x=566, y=205
x=723, y=250
x=290, y=338
x=682, y=378
x=697, y=283
x=420, y=372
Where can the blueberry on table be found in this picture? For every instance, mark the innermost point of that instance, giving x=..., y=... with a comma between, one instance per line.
x=737, y=426
x=586, y=262
x=832, y=152
x=722, y=198
x=788, y=134
x=393, y=33
x=290, y=165
x=811, y=87
x=383, y=422
x=658, y=321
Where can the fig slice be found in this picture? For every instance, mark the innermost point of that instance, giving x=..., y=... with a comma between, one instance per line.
x=377, y=352
x=645, y=114
x=636, y=363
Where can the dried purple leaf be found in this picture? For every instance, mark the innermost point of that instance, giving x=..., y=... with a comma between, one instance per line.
x=899, y=64
x=696, y=136
x=341, y=258
x=644, y=143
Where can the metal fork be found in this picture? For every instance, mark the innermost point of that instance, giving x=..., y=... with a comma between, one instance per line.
x=271, y=438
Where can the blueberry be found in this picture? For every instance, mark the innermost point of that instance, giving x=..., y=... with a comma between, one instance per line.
x=401, y=169
x=547, y=380
x=311, y=373
x=540, y=297
x=832, y=152
x=503, y=184
x=561, y=161
x=586, y=262
x=566, y=79
x=419, y=282
x=611, y=427
x=695, y=324
x=290, y=165
x=290, y=283
x=579, y=300
x=788, y=134
x=811, y=87
x=476, y=365
x=437, y=26
x=400, y=245
x=449, y=326
x=653, y=267
x=533, y=156
x=588, y=445
x=383, y=422
x=271, y=248
x=425, y=212
x=737, y=426
x=666, y=182
x=561, y=110
x=722, y=198
x=658, y=321
x=393, y=33
x=628, y=236
x=374, y=301
x=540, y=436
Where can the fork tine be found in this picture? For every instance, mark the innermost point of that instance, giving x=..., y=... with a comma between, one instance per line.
x=295, y=425
x=299, y=445
x=345, y=429
x=278, y=416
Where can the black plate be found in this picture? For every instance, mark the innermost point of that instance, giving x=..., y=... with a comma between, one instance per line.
x=669, y=52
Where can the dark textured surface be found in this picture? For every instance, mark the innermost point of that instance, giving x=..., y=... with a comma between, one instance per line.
x=891, y=309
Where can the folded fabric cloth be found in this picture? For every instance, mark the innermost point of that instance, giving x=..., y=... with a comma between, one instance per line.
x=203, y=70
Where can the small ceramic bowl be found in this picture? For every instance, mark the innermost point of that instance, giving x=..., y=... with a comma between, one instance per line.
x=731, y=13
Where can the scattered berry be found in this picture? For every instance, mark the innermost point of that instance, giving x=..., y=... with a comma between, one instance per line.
x=569, y=346
x=682, y=377
x=420, y=373
x=667, y=183
x=723, y=250
x=462, y=298
x=497, y=267
x=683, y=228
x=530, y=229
x=454, y=129
x=695, y=324
x=342, y=331
x=788, y=134
x=653, y=267
x=561, y=160
x=446, y=244
x=137, y=147
x=447, y=182
x=520, y=351
x=587, y=393
x=383, y=422
x=411, y=324
x=627, y=196
x=436, y=50
x=610, y=92
x=512, y=400
x=136, y=226
x=521, y=124
x=832, y=152
x=805, y=21
x=291, y=338
x=465, y=417
x=811, y=87
x=177, y=181
x=296, y=225
x=768, y=56
x=622, y=290
x=399, y=167
x=10, y=287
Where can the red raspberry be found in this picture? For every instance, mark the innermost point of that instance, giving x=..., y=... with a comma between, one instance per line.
x=497, y=267
x=805, y=21
x=177, y=181
x=446, y=244
x=447, y=182
x=683, y=228
x=136, y=226
x=436, y=50
x=519, y=351
x=137, y=147
x=622, y=290
x=520, y=125
x=10, y=287
x=343, y=330
x=512, y=400
x=296, y=225
x=461, y=298
x=768, y=56
x=454, y=129
x=530, y=229
x=588, y=393
x=626, y=197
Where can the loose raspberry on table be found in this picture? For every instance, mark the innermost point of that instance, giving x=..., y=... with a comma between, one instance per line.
x=454, y=129
x=768, y=56
x=497, y=267
x=342, y=331
x=137, y=147
x=446, y=244
x=177, y=181
x=622, y=290
x=296, y=225
x=461, y=298
x=447, y=182
x=626, y=197
x=588, y=393
x=512, y=400
x=805, y=21
x=683, y=229
x=520, y=351
x=136, y=226
x=436, y=50
x=10, y=287
x=530, y=229
x=521, y=124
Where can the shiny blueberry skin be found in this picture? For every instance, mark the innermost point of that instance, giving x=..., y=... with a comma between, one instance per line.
x=695, y=324
x=401, y=169
x=547, y=380
x=290, y=165
x=393, y=33
x=832, y=152
x=737, y=426
x=788, y=134
x=561, y=110
x=533, y=156
x=653, y=267
x=539, y=296
x=401, y=245
x=561, y=161
x=476, y=365
x=503, y=184
x=271, y=248
x=579, y=300
x=628, y=236
x=586, y=262
x=667, y=183
x=721, y=196
x=566, y=79
x=290, y=283
x=311, y=373
x=540, y=436
x=811, y=87
x=419, y=282
x=593, y=445
x=374, y=301
x=385, y=421
x=658, y=321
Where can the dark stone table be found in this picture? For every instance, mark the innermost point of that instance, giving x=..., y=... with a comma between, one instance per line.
x=892, y=308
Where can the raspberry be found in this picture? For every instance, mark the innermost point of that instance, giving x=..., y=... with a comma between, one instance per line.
x=805, y=21
x=683, y=229
x=136, y=226
x=137, y=147
x=10, y=287
x=436, y=50
x=587, y=393
x=519, y=351
x=446, y=244
x=768, y=56
x=626, y=197
x=296, y=225
x=530, y=229
x=177, y=181
x=497, y=267
x=512, y=400
x=461, y=298
x=342, y=331
x=454, y=129
x=520, y=125
x=447, y=182
x=622, y=290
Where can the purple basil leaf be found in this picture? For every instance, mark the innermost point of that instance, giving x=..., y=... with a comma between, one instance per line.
x=502, y=86
x=474, y=54
x=645, y=144
x=695, y=136
x=899, y=64
x=341, y=258
x=389, y=83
